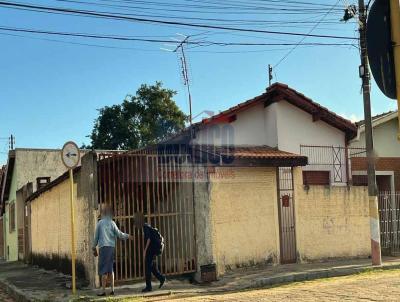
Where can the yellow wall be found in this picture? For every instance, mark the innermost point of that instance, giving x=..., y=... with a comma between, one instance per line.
x=244, y=216
x=331, y=222
x=51, y=223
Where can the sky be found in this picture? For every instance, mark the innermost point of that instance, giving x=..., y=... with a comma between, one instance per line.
x=51, y=86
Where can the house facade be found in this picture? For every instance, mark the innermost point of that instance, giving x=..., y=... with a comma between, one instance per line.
x=386, y=149
x=387, y=170
x=2, y=175
x=254, y=210
x=233, y=196
x=36, y=167
x=287, y=120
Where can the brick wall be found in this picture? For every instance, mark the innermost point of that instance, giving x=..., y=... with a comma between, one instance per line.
x=381, y=164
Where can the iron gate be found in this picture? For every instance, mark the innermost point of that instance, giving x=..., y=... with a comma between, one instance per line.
x=389, y=213
x=287, y=224
x=158, y=186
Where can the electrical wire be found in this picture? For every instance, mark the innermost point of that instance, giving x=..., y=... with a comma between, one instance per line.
x=302, y=39
x=130, y=38
x=156, y=21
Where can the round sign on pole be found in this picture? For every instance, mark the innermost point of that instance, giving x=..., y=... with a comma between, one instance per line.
x=70, y=155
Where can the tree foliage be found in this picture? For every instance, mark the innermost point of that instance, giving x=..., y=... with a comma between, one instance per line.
x=146, y=118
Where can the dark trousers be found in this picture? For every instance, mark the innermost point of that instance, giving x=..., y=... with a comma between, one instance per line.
x=151, y=267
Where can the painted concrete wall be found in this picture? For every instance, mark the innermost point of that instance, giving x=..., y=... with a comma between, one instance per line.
x=255, y=126
x=285, y=127
x=386, y=143
x=271, y=125
x=11, y=237
x=279, y=125
x=29, y=164
x=203, y=225
x=33, y=163
x=244, y=217
x=296, y=127
x=51, y=223
x=331, y=222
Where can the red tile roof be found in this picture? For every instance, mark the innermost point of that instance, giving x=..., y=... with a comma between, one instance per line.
x=254, y=152
x=278, y=92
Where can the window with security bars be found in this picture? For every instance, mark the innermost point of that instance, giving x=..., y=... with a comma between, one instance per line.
x=335, y=160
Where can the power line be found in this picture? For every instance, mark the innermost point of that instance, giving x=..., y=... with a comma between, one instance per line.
x=130, y=38
x=216, y=8
x=155, y=50
x=155, y=21
x=78, y=43
x=302, y=39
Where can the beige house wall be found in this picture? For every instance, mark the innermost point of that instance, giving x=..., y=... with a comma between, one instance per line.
x=244, y=216
x=386, y=143
x=51, y=223
x=331, y=222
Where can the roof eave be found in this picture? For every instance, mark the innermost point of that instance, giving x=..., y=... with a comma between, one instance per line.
x=7, y=180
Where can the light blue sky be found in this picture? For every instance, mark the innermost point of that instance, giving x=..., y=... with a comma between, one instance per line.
x=49, y=91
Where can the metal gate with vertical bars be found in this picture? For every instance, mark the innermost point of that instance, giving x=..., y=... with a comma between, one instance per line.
x=389, y=222
x=152, y=184
x=287, y=224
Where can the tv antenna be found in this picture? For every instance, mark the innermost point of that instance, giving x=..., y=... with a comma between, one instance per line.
x=180, y=49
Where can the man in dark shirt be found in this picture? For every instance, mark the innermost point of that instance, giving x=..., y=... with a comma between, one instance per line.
x=151, y=250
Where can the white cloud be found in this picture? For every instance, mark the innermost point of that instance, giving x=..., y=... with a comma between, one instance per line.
x=352, y=117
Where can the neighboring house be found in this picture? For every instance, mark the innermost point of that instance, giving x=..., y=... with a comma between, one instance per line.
x=35, y=166
x=2, y=174
x=241, y=201
x=387, y=169
x=387, y=152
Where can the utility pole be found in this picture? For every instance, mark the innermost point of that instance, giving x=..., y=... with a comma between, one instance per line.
x=369, y=142
x=270, y=77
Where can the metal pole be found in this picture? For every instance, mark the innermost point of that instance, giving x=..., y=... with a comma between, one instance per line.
x=395, y=26
x=369, y=143
x=270, y=77
x=73, y=256
x=186, y=74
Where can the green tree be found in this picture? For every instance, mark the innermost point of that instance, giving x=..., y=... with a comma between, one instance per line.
x=146, y=118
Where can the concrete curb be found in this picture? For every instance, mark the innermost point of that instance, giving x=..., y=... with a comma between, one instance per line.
x=23, y=296
x=14, y=292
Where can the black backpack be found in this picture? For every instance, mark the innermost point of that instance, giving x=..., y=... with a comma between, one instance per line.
x=157, y=241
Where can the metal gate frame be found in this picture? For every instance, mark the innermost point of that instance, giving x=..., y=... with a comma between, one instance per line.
x=389, y=222
x=286, y=215
x=151, y=184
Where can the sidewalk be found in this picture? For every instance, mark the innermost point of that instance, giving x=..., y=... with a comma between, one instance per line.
x=27, y=283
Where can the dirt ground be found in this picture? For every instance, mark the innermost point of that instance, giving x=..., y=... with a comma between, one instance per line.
x=4, y=297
